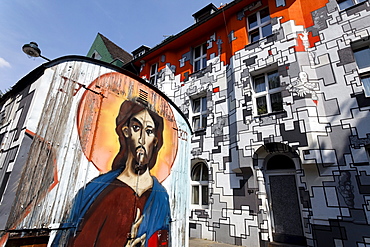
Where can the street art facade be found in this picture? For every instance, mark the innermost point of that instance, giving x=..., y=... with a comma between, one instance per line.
x=92, y=156
x=278, y=93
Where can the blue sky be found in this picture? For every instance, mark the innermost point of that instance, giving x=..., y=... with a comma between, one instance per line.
x=69, y=27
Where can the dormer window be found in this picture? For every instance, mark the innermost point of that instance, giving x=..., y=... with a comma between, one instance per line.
x=140, y=51
x=205, y=12
x=96, y=55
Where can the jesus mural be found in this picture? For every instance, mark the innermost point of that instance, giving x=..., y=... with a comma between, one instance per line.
x=126, y=206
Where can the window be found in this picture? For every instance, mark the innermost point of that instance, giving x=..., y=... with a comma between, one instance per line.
x=259, y=25
x=267, y=93
x=199, y=184
x=96, y=55
x=362, y=57
x=200, y=57
x=153, y=74
x=367, y=149
x=199, y=106
x=343, y=4
x=366, y=83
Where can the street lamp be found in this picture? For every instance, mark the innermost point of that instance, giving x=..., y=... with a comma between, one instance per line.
x=33, y=50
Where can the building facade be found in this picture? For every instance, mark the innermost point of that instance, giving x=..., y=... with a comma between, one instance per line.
x=277, y=92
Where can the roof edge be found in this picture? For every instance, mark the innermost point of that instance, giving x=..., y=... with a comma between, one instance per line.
x=195, y=25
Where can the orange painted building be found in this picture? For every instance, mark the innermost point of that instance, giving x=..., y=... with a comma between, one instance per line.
x=224, y=22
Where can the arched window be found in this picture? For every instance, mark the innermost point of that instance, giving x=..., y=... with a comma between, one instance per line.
x=199, y=184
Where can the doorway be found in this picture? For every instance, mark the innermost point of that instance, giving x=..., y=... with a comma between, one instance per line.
x=284, y=201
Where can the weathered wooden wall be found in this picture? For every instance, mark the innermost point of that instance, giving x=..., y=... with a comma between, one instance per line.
x=61, y=142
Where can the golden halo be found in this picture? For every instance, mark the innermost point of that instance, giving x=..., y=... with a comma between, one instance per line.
x=96, y=121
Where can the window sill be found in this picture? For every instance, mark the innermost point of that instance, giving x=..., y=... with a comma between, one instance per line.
x=199, y=212
x=363, y=71
x=198, y=207
x=201, y=72
x=200, y=132
x=270, y=114
x=195, y=72
x=258, y=41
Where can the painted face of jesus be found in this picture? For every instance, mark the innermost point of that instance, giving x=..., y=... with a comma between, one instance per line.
x=141, y=139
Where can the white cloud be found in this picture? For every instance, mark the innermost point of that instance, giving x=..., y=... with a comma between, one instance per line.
x=4, y=63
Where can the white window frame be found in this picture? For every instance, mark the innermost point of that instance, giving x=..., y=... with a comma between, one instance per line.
x=259, y=25
x=200, y=185
x=153, y=74
x=363, y=71
x=201, y=58
x=344, y=4
x=266, y=92
x=199, y=114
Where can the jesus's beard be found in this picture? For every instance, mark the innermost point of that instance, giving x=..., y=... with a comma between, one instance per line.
x=140, y=167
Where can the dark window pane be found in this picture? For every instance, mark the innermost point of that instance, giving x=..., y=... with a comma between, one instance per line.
x=266, y=30
x=195, y=195
x=259, y=84
x=204, y=48
x=197, y=65
x=252, y=21
x=276, y=102
x=265, y=15
x=261, y=105
x=255, y=35
x=204, y=104
x=196, y=105
x=196, y=123
x=204, y=121
x=204, y=62
x=197, y=52
x=153, y=69
x=362, y=57
x=278, y=162
x=205, y=195
x=204, y=172
x=195, y=173
x=273, y=79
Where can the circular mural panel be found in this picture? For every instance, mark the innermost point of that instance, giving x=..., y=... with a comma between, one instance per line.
x=100, y=108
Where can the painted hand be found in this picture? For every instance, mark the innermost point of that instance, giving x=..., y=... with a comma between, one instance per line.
x=135, y=241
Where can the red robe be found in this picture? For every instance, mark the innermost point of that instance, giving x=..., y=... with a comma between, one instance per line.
x=109, y=219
